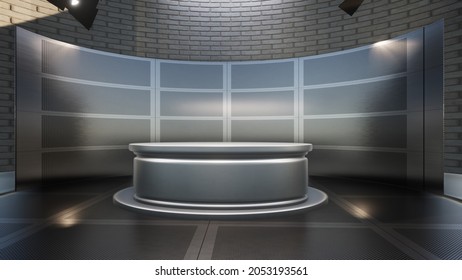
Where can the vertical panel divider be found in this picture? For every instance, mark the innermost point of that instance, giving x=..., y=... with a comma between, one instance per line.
x=157, y=101
x=227, y=100
x=153, y=85
x=296, y=101
x=301, y=100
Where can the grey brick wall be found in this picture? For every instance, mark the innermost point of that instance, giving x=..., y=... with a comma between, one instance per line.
x=234, y=30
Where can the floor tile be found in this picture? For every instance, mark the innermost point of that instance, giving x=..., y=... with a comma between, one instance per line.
x=37, y=205
x=444, y=243
x=428, y=209
x=302, y=243
x=10, y=228
x=103, y=242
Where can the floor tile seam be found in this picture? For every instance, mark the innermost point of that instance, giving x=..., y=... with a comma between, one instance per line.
x=197, y=242
x=208, y=244
x=133, y=222
x=408, y=247
x=19, y=193
x=20, y=220
x=423, y=226
x=29, y=230
x=295, y=224
x=381, y=196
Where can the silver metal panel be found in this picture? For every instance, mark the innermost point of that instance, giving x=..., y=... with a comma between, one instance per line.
x=434, y=136
x=415, y=130
x=386, y=131
x=191, y=130
x=273, y=103
x=415, y=51
x=379, y=166
x=377, y=60
x=415, y=170
x=65, y=96
x=453, y=185
x=218, y=180
x=202, y=104
x=61, y=131
x=262, y=131
x=191, y=76
x=434, y=110
x=7, y=182
x=434, y=44
x=434, y=88
x=28, y=131
x=262, y=75
x=28, y=167
x=380, y=96
x=28, y=69
x=125, y=198
x=434, y=171
x=62, y=60
x=80, y=164
x=415, y=91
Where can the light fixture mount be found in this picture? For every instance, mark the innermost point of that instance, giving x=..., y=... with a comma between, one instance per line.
x=84, y=11
x=350, y=6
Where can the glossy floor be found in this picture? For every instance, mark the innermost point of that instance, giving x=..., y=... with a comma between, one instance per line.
x=361, y=221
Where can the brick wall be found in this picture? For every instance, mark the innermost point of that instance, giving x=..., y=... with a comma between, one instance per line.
x=234, y=30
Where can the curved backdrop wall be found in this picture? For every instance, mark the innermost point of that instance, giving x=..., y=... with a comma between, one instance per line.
x=373, y=112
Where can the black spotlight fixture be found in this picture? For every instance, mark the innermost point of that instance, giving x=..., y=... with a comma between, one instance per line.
x=350, y=6
x=84, y=11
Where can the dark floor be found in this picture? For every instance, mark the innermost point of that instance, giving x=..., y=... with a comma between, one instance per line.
x=361, y=221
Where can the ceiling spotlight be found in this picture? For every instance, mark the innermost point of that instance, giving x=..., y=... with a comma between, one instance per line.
x=350, y=6
x=84, y=11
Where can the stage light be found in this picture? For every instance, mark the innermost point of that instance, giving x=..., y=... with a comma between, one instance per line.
x=84, y=11
x=350, y=6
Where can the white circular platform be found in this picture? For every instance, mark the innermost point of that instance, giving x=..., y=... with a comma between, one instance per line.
x=126, y=198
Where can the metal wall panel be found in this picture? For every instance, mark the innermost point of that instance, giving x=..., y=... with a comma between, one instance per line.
x=88, y=65
x=369, y=62
x=369, y=165
x=63, y=96
x=193, y=104
x=191, y=76
x=60, y=131
x=434, y=109
x=384, y=131
x=191, y=130
x=272, y=103
x=84, y=164
x=262, y=75
x=380, y=96
x=262, y=130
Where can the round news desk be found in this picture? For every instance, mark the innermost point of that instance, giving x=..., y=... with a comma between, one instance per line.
x=220, y=179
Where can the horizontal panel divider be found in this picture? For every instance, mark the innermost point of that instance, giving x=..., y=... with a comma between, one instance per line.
x=356, y=115
x=263, y=89
x=89, y=115
x=188, y=118
x=94, y=83
x=166, y=89
x=263, y=118
x=74, y=149
x=357, y=82
x=360, y=148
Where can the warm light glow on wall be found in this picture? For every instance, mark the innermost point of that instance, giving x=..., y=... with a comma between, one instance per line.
x=27, y=15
